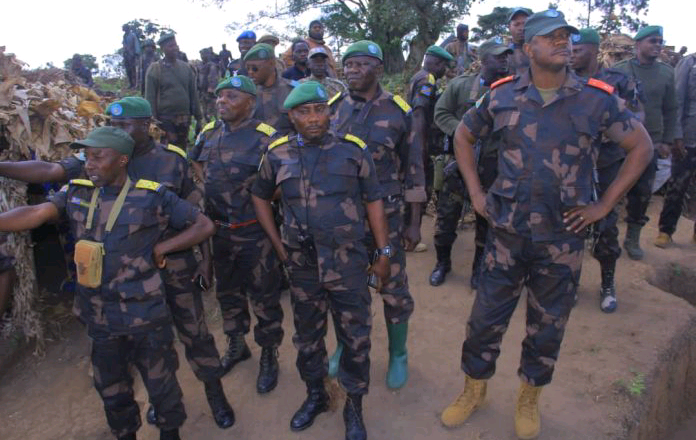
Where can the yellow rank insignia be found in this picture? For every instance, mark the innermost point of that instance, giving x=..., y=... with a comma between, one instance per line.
x=83, y=182
x=356, y=140
x=334, y=98
x=148, y=184
x=173, y=148
x=401, y=103
x=266, y=129
x=209, y=126
x=278, y=142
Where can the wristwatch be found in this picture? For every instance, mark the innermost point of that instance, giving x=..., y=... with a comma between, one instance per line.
x=386, y=250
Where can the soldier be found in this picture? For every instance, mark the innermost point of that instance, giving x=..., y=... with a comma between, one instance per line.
x=148, y=57
x=657, y=80
x=208, y=77
x=519, y=62
x=299, y=70
x=170, y=87
x=318, y=65
x=79, y=70
x=131, y=53
x=245, y=41
x=460, y=95
x=184, y=277
x=460, y=50
x=271, y=88
x=538, y=208
x=225, y=58
x=384, y=122
x=229, y=152
x=683, y=150
x=606, y=249
x=120, y=226
x=315, y=39
x=274, y=42
x=335, y=177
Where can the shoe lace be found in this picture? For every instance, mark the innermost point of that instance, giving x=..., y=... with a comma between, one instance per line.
x=469, y=389
x=356, y=420
x=267, y=356
x=235, y=344
x=527, y=406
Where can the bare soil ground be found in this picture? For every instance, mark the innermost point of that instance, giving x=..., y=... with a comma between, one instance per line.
x=602, y=378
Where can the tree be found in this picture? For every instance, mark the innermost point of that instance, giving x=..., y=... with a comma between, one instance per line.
x=491, y=25
x=89, y=61
x=617, y=14
x=112, y=66
x=145, y=29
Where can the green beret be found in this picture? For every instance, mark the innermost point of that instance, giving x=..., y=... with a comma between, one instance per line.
x=493, y=46
x=310, y=91
x=648, y=31
x=439, y=52
x=514, y=11
x=107, y=137
x=166, y=36
x=239, y=82
x=545, y=22
x=586, y=36
x=260, y=51
x=130, y=107
x=363, y=48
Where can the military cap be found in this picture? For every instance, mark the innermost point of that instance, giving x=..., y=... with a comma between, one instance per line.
x=107, y=137
x=586, y=36
x=310, y=91
x=247, y=35
x=493, y=46
x=313, y=22
x=519, y=10
x=148, y=42
x=363, y=48
x=648, y=31
x=463, y=26
x=260, y=51
x=317, y=51
x=165, y=37
x=545, y=22
x=130, y=107
x=239, y=82
x=439, y=52
x=269, y=39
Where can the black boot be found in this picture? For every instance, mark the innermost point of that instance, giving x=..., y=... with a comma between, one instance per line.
x=151, y=415
x=222, y=411
x=352, y=417
x=316, y=403
x=607, y=294
x=237, y=351
x=443, y=265
x=130, y=436
x=476, y=268
x=268, y=370
x=172, y=434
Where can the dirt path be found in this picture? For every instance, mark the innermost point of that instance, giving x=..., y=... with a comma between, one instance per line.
x=601, y=369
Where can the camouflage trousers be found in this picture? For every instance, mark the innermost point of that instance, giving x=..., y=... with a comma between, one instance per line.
x=638, y=198
x=398, y=302
x=349, y=301
x=550, y=271
x=153, y=354
x=208, y=105
x=176, y=129
x=247, y=270
x=607, y=250
x=186, y=306
x=678, y=183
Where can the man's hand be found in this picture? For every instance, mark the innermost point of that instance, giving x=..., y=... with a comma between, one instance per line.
x=411, y=236
x=159, y=256
x=663, y=150
x=205, y=271
x=381, y=268
x=678, y=149
x=478, y=201
x=580, y=217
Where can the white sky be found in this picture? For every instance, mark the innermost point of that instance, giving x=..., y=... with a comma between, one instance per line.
x=39, y=31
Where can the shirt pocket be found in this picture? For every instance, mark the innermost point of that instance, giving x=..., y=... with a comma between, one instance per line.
x=501, y=201
x=288, y=178
x=342, y=177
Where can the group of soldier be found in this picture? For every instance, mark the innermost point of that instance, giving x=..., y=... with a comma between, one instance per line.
x=320, y=185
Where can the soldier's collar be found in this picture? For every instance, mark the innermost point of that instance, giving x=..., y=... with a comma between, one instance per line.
x=141, y=152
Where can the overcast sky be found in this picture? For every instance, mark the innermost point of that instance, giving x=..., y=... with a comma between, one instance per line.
x=39, y=31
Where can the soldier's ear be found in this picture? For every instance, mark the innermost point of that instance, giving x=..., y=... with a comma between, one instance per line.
x=527, y=48
x=123, y=160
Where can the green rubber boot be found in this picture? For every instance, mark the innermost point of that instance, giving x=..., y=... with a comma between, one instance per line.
x=335, y=360
x=397, y=374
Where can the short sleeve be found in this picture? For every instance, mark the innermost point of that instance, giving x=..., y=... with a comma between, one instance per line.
x=617, y=121
x=73, y=166
x=369, y=183
x=180, y=212
x=60, y=199
x=264, y=185
x=423, y=95
x=478, y=119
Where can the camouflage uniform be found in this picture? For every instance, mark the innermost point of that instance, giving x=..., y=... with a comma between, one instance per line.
x=245, y=264
x=385, y=124
x=333, y=86
x=269, y=104
x=127, y=317
x=169, y=166
x=463, y=58
x=6, y=260
x=546, y=159
x=518, y=62
x=208, y=78
x=323, y=193
x=682, y=170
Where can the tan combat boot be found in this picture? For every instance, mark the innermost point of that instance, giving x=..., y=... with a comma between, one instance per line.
x=663, y=240
x=527, y=417
x=465, y=404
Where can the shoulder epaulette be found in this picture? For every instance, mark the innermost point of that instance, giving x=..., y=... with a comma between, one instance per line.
x=334, y=98
x=401, y=103
x=266, y=129
x=294, y=83
x=356, y=140
x=280, y=141
x=83, y=182
x=209, y=126
x=431, y=78
x=502, y=81
x=174, y=149
x=601, y=85
x=148, y=184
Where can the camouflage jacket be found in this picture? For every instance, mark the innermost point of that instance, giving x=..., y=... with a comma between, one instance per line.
x=208, y=78
x=333, y=86
x=323, y=189
x=269, y=104
x=464, y=59
x=231, y=160
x=385, y=124
x=518, y=61
x=131, y=297
x=685, y=83
x=423, y=93
x=547, y=151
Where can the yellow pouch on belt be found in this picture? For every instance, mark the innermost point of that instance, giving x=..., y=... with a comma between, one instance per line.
x=89, y=257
